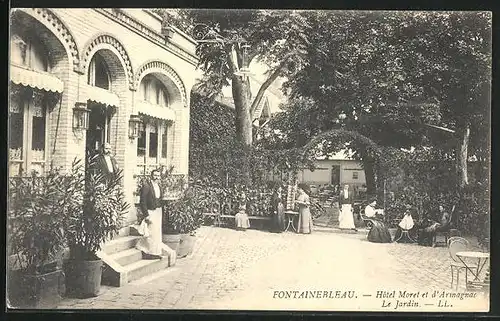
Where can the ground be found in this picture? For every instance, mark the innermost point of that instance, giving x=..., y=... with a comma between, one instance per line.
x=251, y=270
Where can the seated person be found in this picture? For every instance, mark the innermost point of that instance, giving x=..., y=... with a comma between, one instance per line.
x=425, y=231
x=431, y=227
x=241, y=219
x=372, y=212
x=445, y=220
x=379, y=233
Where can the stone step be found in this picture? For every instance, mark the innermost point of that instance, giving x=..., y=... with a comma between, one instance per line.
x=120, y=244
x=143, y=268
x=127, y=257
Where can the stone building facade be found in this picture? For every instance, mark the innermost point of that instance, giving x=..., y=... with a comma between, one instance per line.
x=119, y=64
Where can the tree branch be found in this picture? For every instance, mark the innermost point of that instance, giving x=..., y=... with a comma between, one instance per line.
x=268, y=82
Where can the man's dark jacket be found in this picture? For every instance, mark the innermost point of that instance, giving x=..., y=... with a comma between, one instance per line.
x=148, y=199
x=103, y=167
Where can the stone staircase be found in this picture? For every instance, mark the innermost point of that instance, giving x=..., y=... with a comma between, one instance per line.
x=123, y=263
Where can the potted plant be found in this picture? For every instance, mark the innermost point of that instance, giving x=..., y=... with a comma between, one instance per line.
x=170, y=187
x=86, y=230
x=37, y=209
x=182, y=219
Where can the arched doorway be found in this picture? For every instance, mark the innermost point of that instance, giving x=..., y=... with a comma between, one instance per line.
x=105, y=78
x=98, y=132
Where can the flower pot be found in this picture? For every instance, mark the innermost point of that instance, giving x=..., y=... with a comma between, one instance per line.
x=186, y=245
x=35, y=291
x=172, y=240
x=83, y=278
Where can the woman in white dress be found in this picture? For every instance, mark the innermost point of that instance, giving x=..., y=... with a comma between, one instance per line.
x=346, y=216
x=150, y=204
x=241, y=219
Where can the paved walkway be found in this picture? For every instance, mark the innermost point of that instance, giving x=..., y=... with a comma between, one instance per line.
x=251, y=270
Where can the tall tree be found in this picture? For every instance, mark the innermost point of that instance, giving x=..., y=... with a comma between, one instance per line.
x=393, y=74
x=237, y=40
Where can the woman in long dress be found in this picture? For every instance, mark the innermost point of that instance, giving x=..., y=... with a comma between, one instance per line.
x=241, y=219
x=346, y=216
x=305, y=219
x=379, y=233
x=278, y=210
x=151, y=244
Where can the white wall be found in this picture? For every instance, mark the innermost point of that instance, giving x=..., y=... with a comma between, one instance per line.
x=323, y=172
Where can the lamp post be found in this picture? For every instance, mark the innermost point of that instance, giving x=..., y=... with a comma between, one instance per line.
x=81, y=116
x=205, y=34
x=134, y=126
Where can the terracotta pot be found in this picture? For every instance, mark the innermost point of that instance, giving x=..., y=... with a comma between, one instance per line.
x=83, y=278
x=186, y=245
x=172, y=240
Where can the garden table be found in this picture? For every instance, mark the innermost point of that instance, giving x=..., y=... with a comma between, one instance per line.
x=291, y=215
x=480, y=256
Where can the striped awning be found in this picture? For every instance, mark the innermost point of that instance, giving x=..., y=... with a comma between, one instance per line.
x=35, y=79
x=101, y=96
x=154, y=111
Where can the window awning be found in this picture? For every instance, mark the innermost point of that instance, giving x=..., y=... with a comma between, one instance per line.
x=154, y=111
x=35, y=79
x=100, y=96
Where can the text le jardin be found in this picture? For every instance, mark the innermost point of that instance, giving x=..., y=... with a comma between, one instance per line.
x=406, y=299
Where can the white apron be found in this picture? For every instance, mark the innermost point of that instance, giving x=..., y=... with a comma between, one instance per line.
x=151, y=243
x=346, y=218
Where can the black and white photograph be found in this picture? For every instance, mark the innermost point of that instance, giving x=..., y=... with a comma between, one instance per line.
x=249, y=160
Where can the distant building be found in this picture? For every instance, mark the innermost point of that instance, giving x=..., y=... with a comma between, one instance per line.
x=337, y=169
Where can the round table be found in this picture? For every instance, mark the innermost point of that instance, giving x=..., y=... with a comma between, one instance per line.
x=291, y=215
x=480, y=256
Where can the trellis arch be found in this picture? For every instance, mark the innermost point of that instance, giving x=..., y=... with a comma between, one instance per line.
x=52, y=22
x=336, y=133
x=107, y=39
x=163, y=68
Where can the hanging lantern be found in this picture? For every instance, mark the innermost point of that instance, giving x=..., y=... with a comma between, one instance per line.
x=167, y=31
x=134, y=126
x=81, y=116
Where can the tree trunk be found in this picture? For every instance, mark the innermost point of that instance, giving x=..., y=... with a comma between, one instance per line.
x=368, y=166
x=461, y=156
x=242, y=109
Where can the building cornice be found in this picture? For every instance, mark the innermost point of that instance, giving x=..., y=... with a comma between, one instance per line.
x=159, y=18
x=148, y=33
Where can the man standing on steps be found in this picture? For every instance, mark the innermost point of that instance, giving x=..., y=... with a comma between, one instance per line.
x=150, y=204
x=106, y=163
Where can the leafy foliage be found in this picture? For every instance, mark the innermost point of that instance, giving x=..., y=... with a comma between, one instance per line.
x=38, y=207
x=103, y=208
x=183, y=215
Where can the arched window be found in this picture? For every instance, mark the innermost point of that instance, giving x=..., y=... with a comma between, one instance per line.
x=29, y=53
x=154, y=91
x=152, y=143
x=98, y=72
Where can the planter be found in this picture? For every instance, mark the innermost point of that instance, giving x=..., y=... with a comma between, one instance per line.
x=35, y=291
x=83, y=278
x=172, y=240
x=186, y=245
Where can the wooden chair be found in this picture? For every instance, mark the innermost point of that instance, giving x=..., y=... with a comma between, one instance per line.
x=443, y=235
x=366, y=220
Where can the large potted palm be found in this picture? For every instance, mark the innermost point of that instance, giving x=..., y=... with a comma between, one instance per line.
x=86, y=230
x=37, y=210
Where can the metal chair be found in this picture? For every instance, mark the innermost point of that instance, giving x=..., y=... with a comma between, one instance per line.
x=455, y=245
